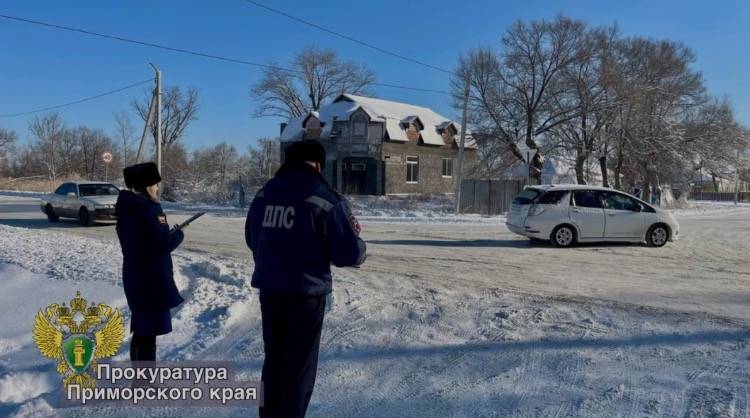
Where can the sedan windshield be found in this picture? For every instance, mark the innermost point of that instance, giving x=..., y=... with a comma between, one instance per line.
x=97, y=190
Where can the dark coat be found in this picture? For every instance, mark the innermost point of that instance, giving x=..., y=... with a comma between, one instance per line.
x=297, y=226
x=146, y=244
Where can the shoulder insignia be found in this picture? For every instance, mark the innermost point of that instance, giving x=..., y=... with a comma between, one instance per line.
x=320, y=202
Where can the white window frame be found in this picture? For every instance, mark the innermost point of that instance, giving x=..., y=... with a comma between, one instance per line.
x=412, y=163
x=442, y=168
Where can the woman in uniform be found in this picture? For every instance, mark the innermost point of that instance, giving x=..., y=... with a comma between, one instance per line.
x=146, y=241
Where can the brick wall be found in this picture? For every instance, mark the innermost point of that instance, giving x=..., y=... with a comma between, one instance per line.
x=431, y=158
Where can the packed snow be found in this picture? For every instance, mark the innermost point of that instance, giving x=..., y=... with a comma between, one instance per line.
x=444, y=319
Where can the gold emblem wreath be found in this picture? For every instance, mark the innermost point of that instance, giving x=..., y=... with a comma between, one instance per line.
x=55, y=322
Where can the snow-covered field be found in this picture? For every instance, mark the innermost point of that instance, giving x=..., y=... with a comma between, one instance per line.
x=445, y=319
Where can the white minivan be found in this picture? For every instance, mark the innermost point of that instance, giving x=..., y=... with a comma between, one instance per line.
x=569, y=213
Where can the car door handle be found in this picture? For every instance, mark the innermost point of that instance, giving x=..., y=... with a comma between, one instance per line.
x=575, y=211
x=611, y=214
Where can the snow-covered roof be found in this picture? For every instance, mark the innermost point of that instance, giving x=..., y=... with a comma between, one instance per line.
x=390, y=112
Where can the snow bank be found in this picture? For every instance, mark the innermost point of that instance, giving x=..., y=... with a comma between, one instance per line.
x=701, y=207
x=21, y=193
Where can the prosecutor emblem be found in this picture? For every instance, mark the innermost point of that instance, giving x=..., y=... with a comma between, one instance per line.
x=76, y=337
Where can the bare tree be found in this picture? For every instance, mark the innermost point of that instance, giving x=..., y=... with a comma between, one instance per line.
x=91, y=144
x=666, y=90
x=264, y=160
x=125, y=135
x=7, y=139
x=48, y=130
x=587, y=86
x=317, y=76
x=177, y=111
x=520, y=90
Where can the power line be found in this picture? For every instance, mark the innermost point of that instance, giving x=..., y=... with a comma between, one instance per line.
x=189, y=52
x=86, y=99
x=348, y=38
x=395, y=86
x=138, y=42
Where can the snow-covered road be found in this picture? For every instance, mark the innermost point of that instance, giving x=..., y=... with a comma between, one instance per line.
x=706, y=271
x=455, y=317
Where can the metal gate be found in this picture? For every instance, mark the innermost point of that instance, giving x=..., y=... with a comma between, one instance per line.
x=489, y=197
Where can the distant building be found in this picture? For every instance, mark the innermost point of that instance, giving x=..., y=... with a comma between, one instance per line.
x=554, y=171
x=378, y=147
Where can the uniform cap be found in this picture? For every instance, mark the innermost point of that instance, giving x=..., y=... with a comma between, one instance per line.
x=305, y=150
x=141, y=175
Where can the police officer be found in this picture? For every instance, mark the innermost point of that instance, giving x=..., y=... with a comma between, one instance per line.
x=146, y=241
x=297, y=226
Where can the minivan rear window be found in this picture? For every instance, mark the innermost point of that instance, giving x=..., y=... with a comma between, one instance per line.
x=551, y=197
x=526, y=197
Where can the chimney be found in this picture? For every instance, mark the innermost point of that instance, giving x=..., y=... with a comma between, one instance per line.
x=282, y=125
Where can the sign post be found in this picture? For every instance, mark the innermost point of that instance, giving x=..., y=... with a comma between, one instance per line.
x=530, y=153
x=107, y=158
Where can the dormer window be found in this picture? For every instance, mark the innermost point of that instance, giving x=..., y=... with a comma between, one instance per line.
x=359, y=122
x=412, y=122
x=312, y=126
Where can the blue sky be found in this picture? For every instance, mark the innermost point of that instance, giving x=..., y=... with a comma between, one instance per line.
x=41, y=67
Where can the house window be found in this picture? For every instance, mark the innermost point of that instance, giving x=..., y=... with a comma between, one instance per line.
x=359, y=167
x=447, y=167
x=412, y=170
x=360, y=125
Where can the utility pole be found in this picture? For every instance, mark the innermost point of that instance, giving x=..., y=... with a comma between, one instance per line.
x=460, y=171
x=737, y=178
x=150, y=117
x=158, y=117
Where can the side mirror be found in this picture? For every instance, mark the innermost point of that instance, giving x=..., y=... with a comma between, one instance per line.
x=71, y=194
x=638, y=208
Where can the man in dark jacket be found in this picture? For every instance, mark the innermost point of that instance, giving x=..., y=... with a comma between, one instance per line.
x=146, y=241
x=297, y=227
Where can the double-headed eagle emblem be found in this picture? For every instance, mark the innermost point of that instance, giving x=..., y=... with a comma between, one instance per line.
x=77, y=337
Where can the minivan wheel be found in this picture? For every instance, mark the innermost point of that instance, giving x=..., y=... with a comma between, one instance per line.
x=563, y=236
x=85, y=218
x=51, y=215
x=657, y=236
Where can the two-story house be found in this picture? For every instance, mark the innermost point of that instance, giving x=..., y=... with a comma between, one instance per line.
x=379, y=147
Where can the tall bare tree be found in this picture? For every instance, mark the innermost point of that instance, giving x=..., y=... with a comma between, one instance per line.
x=125, y=135
x=587, y=84
x=177, y=111
x=48, y=130
x=520, y=89
x=264, y=160
x=317, y=76
x=7, y=139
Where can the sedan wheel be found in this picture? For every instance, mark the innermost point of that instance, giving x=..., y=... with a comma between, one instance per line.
x=563, y=236
x=51, y=215
x=85, y=218
x=657, y=236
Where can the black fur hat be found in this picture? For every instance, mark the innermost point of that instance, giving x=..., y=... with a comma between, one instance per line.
x=141, y=175
x=305, y=150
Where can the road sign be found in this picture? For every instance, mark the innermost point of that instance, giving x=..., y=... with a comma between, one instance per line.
x=107, y=157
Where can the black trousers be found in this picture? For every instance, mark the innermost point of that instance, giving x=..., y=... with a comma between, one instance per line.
x=143, y=348
x=291, y=340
